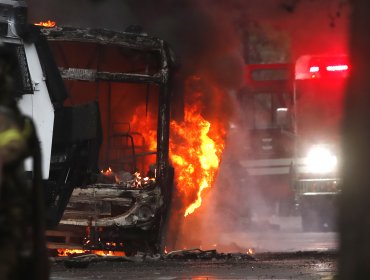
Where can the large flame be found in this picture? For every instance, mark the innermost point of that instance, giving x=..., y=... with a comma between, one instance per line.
x=195, y=154
x=196, y=146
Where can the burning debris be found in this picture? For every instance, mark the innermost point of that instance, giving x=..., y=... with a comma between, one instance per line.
x=80, y=252
x=48, y=24
x=82, y=258
x=125, y=179
x=101, y=202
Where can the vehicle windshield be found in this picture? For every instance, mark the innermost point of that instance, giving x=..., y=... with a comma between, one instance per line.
x=129, y=109
x=268, y=96
x=268, y=110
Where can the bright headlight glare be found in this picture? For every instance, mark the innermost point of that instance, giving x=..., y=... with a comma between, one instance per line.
x=321, y=160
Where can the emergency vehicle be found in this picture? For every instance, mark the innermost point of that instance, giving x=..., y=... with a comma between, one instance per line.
x=318, y=92
x=292, y=115
x=268, y=105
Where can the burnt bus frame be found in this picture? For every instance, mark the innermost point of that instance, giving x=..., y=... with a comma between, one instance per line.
x=161, y=78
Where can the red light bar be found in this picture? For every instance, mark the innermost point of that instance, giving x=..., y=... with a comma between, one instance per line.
x=333, y=68
x=322, y=67
x=314, y=69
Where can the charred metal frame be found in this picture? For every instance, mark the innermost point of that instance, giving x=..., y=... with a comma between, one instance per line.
x=154, y=236
x=161, y=78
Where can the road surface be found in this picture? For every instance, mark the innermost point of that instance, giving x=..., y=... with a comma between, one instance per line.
x=283, y=253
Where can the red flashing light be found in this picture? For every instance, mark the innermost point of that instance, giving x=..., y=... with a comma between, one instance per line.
x=314, y=69
x=332, y=68
x=322, y=67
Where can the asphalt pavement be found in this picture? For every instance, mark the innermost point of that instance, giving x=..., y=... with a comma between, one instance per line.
x=281, y=252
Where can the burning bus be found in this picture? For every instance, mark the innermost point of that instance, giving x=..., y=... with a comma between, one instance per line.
x=319, y=91
x=100, y=101
x=128, y=76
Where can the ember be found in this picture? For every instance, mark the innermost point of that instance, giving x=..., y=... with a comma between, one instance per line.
x=142, y=182
x=107, y=172
x=126, y=179
x=250, y=251
x=48, y=23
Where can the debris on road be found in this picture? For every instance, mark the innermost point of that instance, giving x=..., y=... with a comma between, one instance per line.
x=83, y=260
x=193, y=254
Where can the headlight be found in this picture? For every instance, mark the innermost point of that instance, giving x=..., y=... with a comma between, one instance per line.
x=321, y=160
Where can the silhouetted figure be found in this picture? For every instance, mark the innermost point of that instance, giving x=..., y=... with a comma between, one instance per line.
x=22, y=242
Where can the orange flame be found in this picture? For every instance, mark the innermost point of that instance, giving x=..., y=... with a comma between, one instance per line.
x=107, y=172
x=250, y=251
x=145, y=126
x=196, y=146
x=138, y=181
x=70, y=252
x=48, y=23
x=197, y=159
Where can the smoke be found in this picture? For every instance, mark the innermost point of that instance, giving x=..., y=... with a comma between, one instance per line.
x=238, y=203
x=208, y=38
x=315, y=27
